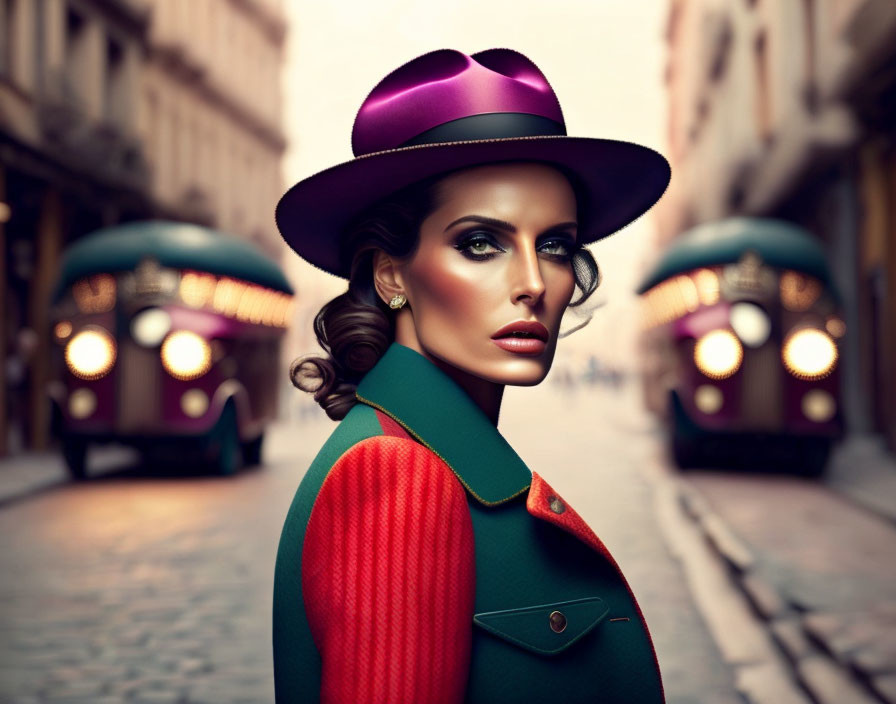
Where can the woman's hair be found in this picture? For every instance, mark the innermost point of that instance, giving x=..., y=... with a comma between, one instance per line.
x=357, y=327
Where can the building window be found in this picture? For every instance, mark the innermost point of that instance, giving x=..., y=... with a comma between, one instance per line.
x=763, y=88
x=809, y=58
x=721, y=37
x=211, y=159
x=39, y=44
x=174, y=153
x=196, y=155
x=10, y=19
x=115, y=83
x=76, y=55
x=153, y=118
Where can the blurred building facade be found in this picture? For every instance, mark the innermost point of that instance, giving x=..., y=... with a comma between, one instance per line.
x=788, y=109
x=211, y=113
x=117, y=110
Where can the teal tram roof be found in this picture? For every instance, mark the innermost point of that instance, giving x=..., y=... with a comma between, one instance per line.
x=173, y=244
x=779, y=244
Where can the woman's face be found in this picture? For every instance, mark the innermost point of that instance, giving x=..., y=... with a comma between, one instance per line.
x=496, y=252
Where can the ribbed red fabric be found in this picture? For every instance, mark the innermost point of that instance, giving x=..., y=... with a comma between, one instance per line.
x=388, y=576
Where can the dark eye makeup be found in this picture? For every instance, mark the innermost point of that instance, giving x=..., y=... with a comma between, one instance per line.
x=481, y=245
x=564, y=241
x=478, y=245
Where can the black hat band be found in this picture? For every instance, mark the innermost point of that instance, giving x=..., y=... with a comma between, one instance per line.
x=493, y=125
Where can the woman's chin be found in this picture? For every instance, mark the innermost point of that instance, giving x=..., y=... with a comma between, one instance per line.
x=529, y=372
x=504, y=369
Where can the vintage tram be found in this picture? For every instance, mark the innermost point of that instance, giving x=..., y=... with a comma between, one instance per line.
x=168, y=338
x=741, y=346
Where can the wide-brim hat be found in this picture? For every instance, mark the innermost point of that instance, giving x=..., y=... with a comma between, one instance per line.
x=446, y=110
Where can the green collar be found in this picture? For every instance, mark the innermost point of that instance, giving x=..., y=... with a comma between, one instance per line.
x=437, y=412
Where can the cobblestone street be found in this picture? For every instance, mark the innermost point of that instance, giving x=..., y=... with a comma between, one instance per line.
x=143, y=585
x=817, y=569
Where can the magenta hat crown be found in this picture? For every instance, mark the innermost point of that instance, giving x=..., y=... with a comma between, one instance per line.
x=449, y=91
x=445, y=111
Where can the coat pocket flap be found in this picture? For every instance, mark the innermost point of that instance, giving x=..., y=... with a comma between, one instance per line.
x=547, y=629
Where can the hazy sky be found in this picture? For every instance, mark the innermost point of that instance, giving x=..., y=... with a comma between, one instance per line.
x=604, y=59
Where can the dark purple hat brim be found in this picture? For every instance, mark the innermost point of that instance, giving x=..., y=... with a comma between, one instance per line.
x=618, y=180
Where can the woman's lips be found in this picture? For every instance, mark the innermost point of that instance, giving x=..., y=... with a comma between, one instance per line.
x=531, y=328
x=531, y=338
x=521, y=345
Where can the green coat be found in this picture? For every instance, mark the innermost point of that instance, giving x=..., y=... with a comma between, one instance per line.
x=533, y=556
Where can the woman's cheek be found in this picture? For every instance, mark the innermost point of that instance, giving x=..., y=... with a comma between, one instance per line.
x=570, y=289
x=457, y=290
x=561, y=287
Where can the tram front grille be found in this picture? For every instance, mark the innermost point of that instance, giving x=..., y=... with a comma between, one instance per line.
x=139, y=389
x=760, y=394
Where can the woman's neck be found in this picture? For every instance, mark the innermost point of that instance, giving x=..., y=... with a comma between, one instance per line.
x=485, y=394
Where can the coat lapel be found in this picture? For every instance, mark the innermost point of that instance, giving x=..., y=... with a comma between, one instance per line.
x=545, y=503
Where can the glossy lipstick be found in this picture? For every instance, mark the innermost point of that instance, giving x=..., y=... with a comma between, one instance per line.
x=522, y=337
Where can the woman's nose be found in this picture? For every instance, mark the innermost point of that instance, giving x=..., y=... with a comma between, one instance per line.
x=527, y=281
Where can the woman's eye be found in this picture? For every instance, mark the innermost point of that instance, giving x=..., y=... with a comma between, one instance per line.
x=478, y=248
x=556, y=247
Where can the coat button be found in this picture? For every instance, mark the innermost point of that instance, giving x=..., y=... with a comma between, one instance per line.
x=558, y=622
x=557, y=506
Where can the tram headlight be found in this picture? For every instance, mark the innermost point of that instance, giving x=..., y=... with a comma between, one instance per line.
x=62, y=330
x=186, y=355
x=809, y=353
x=818, y=405
x=750, y=323
x=150, y=326
x=194, y=403
x=708, y=399
x=835, y=326
x=82, y=403
x=718, y=354
x=90, y=354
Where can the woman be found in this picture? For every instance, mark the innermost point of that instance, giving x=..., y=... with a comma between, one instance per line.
x=421, y=561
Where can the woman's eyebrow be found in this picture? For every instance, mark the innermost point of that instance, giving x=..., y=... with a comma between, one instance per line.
x=501, y=224
x=571, y=225
x=504, y=225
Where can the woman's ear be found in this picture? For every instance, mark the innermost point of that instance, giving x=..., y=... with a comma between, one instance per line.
x=386, y=277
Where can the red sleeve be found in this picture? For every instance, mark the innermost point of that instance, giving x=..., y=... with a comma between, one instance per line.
x=388, y=576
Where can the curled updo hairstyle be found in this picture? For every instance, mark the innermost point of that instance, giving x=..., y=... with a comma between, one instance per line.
x=357, y=327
